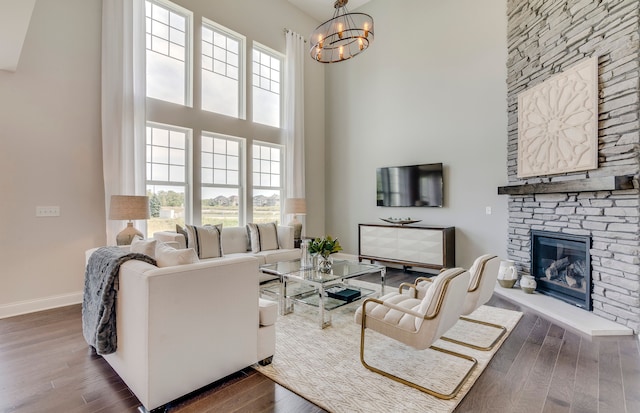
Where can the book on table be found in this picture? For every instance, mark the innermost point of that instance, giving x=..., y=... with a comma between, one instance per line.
x=343, y=293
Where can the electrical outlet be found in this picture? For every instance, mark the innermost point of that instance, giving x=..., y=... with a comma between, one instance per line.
x=47, y=211
x=487, y=210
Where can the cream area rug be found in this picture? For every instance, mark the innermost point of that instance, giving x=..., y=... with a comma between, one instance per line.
x=324, y=366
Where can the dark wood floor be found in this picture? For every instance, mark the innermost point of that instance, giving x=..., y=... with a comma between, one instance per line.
x=45, y=366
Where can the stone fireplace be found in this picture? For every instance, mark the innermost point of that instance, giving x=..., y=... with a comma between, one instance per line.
x=600, y=205
x=561, y=265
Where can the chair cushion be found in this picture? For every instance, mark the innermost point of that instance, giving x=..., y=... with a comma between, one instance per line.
x=482, y=282
x=422, y=288
x=268, y=312
x=429, y=303
x=263, y=237
x=205, y=240
x=392, y=317
x=477, y=269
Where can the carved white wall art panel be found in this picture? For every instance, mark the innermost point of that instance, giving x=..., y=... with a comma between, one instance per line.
x=558, y=123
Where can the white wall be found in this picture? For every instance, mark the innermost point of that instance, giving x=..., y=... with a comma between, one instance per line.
x=50, y=143
x=50, y=155
x=432, y=88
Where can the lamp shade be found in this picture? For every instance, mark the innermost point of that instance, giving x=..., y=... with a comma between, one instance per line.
x=129, y=207
x=295, y=206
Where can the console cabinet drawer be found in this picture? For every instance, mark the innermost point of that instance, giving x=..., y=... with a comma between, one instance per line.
x=411, y=246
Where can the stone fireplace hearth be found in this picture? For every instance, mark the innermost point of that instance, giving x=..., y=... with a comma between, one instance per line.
x=545, y=38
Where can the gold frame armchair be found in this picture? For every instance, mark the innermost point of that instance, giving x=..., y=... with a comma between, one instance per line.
x=484, y=273
x=418, y=323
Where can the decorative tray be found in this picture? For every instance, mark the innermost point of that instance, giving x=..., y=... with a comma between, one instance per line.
x=400, y=221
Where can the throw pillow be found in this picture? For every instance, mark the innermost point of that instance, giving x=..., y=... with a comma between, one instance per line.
x=167, y=256
x=181, y=230
x=205, y=240
x=142, y=246
x=264, y=237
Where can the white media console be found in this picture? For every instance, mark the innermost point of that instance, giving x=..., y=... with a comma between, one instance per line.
x=408, y=245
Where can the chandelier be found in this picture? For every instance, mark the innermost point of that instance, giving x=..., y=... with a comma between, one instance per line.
x=342, y=37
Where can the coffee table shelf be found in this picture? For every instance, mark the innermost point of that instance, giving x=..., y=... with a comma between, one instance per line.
x=306, y=286
x=307, y=295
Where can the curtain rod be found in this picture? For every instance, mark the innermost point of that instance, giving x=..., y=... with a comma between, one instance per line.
x=289, y=30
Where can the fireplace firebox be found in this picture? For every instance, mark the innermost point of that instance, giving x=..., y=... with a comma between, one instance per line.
x=561, y=265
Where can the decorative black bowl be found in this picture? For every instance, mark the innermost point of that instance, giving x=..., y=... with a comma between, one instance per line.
x=400, y=221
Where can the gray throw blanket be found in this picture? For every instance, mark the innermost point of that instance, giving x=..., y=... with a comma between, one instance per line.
x=99, y=300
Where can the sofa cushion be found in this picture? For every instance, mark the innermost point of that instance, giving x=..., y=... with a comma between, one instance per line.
x=261, y=260
x=263, y=237
x=235, y=240
x=279, y=255
x=167, y=256
x=205, y=240
x=144, y=246
x=268, y=312
x=181, y=230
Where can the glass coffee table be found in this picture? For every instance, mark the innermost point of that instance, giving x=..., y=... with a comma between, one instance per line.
x=327, y=291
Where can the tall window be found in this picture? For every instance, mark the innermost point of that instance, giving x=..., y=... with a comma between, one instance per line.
x=168, y=53
x=198, y=164
x=266, y=86
x=167, y=176
x=222, y=70
x=267, y=182
x=221, y=175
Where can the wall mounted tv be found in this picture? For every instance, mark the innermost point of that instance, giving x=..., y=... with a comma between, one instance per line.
x=410, y=186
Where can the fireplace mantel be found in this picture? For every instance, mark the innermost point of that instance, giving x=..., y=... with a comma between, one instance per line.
x=604, y=183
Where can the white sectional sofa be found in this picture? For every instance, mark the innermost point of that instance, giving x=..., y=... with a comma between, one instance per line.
x=236, y=243
x=182, y=327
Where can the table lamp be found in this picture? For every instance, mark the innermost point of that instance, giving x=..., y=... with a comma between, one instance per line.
x=295, y=206
x=129, y=207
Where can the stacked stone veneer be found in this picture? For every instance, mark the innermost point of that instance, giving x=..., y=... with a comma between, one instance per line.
x=546, y=37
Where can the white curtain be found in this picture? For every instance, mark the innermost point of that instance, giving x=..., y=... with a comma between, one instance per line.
x=123, y=104
x=294, y=113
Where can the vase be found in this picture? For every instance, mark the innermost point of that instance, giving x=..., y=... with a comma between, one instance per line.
x=324, y=263
x=528, y=283
x=306, y=258
x=507, y=274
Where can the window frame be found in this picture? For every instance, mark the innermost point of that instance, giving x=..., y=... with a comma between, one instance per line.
x=242, y=61
x=281, y=57
x=197, y=121
x=189, y=39
x=242, y=173
x=188, y=181
x=282, y=187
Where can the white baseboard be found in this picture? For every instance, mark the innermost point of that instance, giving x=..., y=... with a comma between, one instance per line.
x=40, y=304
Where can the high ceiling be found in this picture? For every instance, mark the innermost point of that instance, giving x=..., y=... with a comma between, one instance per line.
x=322, y=10
x=15, y=17
x=14, y=22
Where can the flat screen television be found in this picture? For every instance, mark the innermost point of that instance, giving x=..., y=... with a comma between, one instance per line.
x=410, y=186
